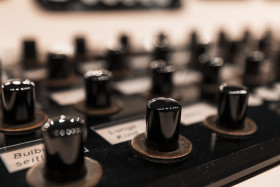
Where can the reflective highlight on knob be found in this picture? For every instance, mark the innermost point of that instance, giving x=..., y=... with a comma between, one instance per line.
x=232, y=106
x=162, y=77
x=98, y=88
x=64, y=137
x=163, y=122
x=18, y=97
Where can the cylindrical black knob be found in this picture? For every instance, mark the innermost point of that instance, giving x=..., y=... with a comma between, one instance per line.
x=163, y=118
x=124, y=42
x=193, y=41
x=18, y=97
x=161, y=50
x=116, y=60
x=162, y=73
x=64, y=137
x=211, y=69
x=265, y=42
x=253, y=63
x=232, y=106
x=59, y=65
x=80, y=46
x=98, y=88
x=222, y=39
x=29, y=50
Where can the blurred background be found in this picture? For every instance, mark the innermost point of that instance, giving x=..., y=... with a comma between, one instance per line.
x=22, y=19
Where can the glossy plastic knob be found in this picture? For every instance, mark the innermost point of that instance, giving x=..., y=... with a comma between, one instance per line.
x=18, y=97
x=59, y=65
x=253, y=63
x=163, y=122
x=211, y=69
x=80, y=46
x=29, y=49
x=98, y=88
x=116, y=60
x=161, y=50
x=162, y=73
x=64, y=138
x=232, y=106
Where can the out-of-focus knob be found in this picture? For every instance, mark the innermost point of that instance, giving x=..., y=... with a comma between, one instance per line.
x=29, y=50
x=163, y=121
x=211, y=70
x=222, y=39
x=253, y=63
x=64, y=138
x=80, y=46
x=98, y=88
x=18, y=97
x=161, y=50
x=116, y=60
x=124, y=42
x=162, y=78
x=232, y=106
x=60, y=65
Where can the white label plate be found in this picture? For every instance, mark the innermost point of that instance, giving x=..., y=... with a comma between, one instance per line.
x=134, y=86
x=196, y=113
x=23, y=158
x=122, y=132
x=68, y=97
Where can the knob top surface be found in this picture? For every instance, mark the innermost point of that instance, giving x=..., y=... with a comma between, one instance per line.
x=233, y=89
x=161, y=66
x=18, y=85
x=163, y=104
x=64, y=126
x=98, y=75
x=256, y=56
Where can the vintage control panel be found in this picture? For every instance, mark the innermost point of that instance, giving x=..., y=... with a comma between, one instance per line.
x=203, y=114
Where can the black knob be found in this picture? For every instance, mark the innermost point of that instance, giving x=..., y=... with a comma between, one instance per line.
x=222, y=39
x=29, y=50
x=211, y=69
x=161, y=50
x=163, y=122
x=116, y=60
x=60, y=65
x=253, y=63
x=80, y=46
x=18, y=97
x=162, y=73
x=64, y=137
x=232, y=106
x=247, y=36
x=98, y=88
x=265, y=42
x=124, y=42
x=193, y=41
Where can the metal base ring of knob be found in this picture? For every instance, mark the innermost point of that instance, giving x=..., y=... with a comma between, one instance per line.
x=25, y=128
x=35, y=176
x=115, y=107
x=139, y=146
x=249, y=128
x=60, y=83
